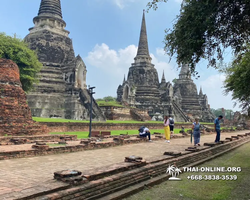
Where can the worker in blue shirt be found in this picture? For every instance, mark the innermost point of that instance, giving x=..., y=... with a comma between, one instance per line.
x=217, y=128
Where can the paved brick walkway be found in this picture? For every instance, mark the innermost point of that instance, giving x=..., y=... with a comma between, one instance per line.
x=20, y=176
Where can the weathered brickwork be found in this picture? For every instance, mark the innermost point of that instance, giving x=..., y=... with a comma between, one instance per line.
x=68, y=149
x=62, y=89
x=66, y=127
x=125, y=113
x=107, y=181
x=15, y=115
x=31, y=139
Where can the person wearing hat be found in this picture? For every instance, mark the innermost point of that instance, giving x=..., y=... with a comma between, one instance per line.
x=196, y=132
x=217, y=128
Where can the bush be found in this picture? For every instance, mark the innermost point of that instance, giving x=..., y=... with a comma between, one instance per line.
x=18, y=51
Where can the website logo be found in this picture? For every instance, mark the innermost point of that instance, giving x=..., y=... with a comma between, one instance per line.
x=174, y=172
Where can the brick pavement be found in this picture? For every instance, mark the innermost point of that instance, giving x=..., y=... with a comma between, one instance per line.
x=20, y=176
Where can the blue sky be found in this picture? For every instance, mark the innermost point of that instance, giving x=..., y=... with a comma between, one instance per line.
x=106, y=33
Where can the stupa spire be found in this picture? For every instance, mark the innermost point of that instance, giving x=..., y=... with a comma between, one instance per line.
x=185, y=72
x=50, y=8
x=143, y=51
x=50, y=18
x=124, y=80
x=201, y=93
x=163, y=80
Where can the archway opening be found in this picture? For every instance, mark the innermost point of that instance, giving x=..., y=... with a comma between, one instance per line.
x=80, y=77
x=126, y=93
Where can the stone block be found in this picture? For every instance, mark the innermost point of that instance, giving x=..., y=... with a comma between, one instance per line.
x=85, y=142
x=192, y=149
x=212, y=144
x=125, y=136
x=62, y=142
x=40, y=143
x=224, y=141
x=118, y=140
x=40, y=147
x=133, y=159
x=70, y=176
x=169, y=153
x=18, y=141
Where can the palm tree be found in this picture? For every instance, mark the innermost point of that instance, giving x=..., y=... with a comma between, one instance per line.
x=177, y=171
x=174, y=171
x=171, y=169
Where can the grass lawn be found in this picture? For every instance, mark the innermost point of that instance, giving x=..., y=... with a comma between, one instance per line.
x=205, y=189
x=40, y=119
x=109, y=103
x=84, y=134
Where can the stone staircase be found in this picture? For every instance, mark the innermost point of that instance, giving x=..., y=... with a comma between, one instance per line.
x=47, y=98
x=51, y=80
x=85, y=98
x=53, y=97
x=137, y=116
x=190, y=102
x=180, y=112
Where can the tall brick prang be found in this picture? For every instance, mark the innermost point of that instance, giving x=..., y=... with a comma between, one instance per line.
x=62, y=89
x=15, y=115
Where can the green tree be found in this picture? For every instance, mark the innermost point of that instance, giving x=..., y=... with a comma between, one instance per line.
x=26, y=59
x=99, y=99
x=238, y=80
x=216, y=112
x=109, y=98
x=228, y=113
x=174, y=81
x=204, y=28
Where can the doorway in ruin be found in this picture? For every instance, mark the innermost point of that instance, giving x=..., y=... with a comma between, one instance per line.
x=81, y=77
x=126, y=93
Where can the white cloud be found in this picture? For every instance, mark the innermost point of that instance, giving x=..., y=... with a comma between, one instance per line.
x=212, y=86
x=109, y=61
x=109, y=66
x=160, y=52
x=178, y=1
x=122, y=3
x=214, y=81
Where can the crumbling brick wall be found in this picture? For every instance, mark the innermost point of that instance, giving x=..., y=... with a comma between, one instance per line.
x=15, y=115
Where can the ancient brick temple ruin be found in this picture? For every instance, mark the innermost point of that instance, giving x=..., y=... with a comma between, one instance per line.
x=15, y=115
x=143, y=90
x=62, y=91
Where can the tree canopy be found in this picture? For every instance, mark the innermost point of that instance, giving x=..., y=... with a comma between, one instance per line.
x=26, y=59
x=107, y=99
x=203, y=29
x=238, y=81
x=228, y=113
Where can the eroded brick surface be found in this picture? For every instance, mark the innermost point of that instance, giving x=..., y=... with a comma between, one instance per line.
x=15, y=115
x=38, y=171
